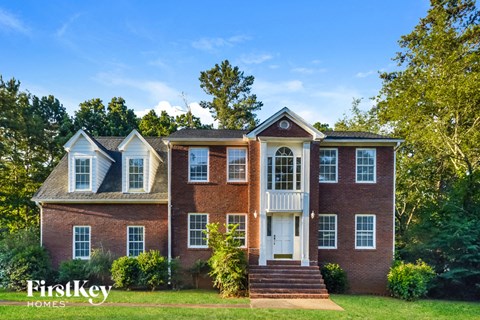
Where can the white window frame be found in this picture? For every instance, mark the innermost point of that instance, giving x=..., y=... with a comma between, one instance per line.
x=127, y=173
x=336, y=166
x=228, y=165
x=374, y=233
x=188, y=237
x=335, y=231
x=89, y=243
x=90, y=158
x=246, y=225
x=128, y=239
x=208, y=164
x=374, y=165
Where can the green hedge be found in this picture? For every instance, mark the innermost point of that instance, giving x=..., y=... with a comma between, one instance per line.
x=410, y=281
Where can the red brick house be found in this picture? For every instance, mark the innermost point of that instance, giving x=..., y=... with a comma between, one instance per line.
x=301, y=197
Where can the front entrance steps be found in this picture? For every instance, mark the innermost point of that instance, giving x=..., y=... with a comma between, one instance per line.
x=286, y=279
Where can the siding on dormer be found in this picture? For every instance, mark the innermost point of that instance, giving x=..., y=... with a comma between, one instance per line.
x=136, y=149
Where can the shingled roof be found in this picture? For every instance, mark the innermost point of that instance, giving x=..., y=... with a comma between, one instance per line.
x=336, y=135
x=207, y=134
x=56, y=185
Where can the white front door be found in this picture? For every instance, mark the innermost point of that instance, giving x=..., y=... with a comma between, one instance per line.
x=282, y=236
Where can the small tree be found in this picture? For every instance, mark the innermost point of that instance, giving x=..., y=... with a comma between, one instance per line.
x=228, y=262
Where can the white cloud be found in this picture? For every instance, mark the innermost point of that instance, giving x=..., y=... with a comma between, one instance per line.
x=365, y=74
x=197, y=110
x=63, y=29
x=303, y=70
x=9, y=22
x=211, y=44
x=272, y=88
x=255, y=58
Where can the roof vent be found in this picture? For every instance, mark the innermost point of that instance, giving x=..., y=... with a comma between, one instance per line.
x=284, y=124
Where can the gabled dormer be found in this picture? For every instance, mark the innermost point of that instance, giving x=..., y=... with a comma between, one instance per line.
x=139, y=163
x=88, y=163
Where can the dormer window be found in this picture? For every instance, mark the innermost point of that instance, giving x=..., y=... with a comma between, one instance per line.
x=136, y=172
x=83, y=174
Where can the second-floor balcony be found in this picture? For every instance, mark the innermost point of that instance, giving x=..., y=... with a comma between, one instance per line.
x=285, y=201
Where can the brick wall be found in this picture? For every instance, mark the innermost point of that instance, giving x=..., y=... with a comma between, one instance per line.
x=295, y=131
x=108, y=226
x=366, y=269
x=216, y=197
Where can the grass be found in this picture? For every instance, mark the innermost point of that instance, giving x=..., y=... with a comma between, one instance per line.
x=356, y=307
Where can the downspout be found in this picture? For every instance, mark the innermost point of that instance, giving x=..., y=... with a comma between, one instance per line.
x=394, y=191
x=41, y=221
x=169, y=225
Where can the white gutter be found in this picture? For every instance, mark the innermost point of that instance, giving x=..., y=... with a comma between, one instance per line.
x=169, y=226
x=394, y=189
x=41, y=221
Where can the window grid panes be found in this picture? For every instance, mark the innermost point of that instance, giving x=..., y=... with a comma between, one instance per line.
x=327, y=231
x=328, y=165
x=365, y=165
x=136, y=241
x=269, y=173
x=299, y=173
x=284, y=169
x=197, y=225
x=135, y=173
x=81, y=242
x=239, y=219
x=365, y=226
x=198, y=162
x=82, y=174
x=237, y=164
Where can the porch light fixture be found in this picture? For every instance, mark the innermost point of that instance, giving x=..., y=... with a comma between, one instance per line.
x=312, y=215
x=255, y=214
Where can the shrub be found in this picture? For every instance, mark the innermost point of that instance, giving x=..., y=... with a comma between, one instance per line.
x=99, y=265
x=70, y=270
x=335, y=278
x=21, y=259
x=125, y=272
x=153, y=269
x=228, y=263
x=410, y=281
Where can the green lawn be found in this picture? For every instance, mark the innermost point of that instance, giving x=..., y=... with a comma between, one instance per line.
x=356, y=307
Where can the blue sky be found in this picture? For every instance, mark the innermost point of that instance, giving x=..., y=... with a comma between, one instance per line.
x=311, y=56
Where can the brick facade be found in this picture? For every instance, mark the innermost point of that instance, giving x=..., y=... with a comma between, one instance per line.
x=295, y=131
x=366, y=268
x=108, y=224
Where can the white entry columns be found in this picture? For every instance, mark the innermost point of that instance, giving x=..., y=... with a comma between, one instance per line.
x=304, y=234
x=262, y=261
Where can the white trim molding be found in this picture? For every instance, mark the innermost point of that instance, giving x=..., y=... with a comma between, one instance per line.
x=128, y=240
x=208, y=164
x=246, y=226
x=336, y=165
x=335, y=231
x=89, y=242
x=373, y=232
x=246, y=164
x=374, y=165
x=189, y=245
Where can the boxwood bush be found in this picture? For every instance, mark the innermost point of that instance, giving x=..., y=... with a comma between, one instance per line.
x=125, y=272
x=335, y=278
x=70, y=270
x=410, y=281
x=153, y=269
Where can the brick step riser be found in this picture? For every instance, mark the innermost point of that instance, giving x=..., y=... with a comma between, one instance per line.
x=255, y=286
x=287, y=281
x=289, y=291
x=282, y=267
x=288, y=296
x=286, y=275
x=283, y=263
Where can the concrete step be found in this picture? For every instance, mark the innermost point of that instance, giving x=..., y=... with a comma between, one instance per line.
x=283, y=262
x=289, y=296
x=288, y=290
x=289, y=280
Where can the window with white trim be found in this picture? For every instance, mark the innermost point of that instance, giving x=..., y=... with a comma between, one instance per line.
x=83, y=174
x=81, y=242
x=135, y=240
x=237, y=164
x=198, y=164
x=365, y=231
x=136, y=175
x=366, y=165
x=197, y=224
x=327, y=231
x=328, y=165
x=241, y=220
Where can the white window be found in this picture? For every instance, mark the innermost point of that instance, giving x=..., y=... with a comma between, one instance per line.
x=83, y=174
x=366, y=165
x=81, y=242
x=241, y=220
x=135, y=240
x=327, y=231
x=365, y=231
x=136, y=174
x=328, y=165
x=237, y=164
x=197, y=224
x=198, y=164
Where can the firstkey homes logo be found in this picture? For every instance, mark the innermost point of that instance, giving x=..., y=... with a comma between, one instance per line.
x=95, y=295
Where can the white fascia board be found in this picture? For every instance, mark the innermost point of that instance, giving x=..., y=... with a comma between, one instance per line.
x=316, y=135
x=122, y=146
x=71, y=142
x=96, y=201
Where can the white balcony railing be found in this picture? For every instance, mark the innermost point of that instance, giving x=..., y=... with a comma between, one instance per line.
x=285, y=201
